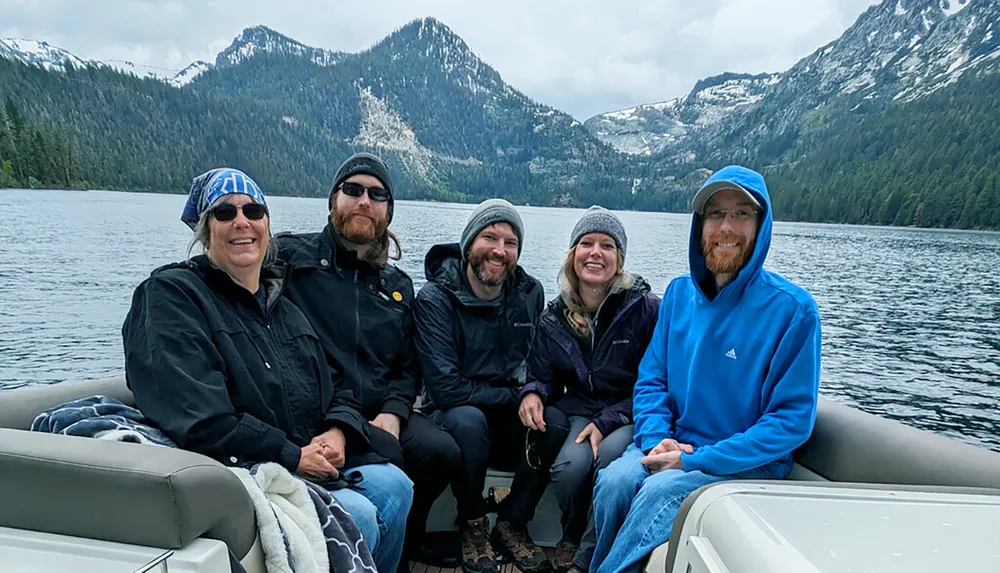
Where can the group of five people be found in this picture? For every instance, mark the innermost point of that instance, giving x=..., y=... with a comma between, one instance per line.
x=314, y=352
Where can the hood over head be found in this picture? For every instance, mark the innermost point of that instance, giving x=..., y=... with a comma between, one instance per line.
x=752, y=183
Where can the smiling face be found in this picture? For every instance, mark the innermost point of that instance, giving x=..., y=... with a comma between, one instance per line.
x=359, y=220
x=729, y=231
x=595, y=260
x=240, y=243
x=493, y=254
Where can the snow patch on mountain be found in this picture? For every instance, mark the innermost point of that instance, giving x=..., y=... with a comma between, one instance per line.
x=648, y=129
x=952, y=7
x=35, y=53
x=188, y=74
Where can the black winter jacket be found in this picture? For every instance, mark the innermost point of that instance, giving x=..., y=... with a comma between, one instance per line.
x=472, y=351
x=363, y=316
x=597, y=384
x=223, y=377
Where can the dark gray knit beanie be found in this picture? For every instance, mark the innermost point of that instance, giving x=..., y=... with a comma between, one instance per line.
x=597, y=219
x=364, y=164
x=487, y=213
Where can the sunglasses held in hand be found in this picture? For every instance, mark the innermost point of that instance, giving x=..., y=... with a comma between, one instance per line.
x=227, y=211
x=353, y=189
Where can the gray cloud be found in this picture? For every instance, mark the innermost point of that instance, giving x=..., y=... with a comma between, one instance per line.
x=580, y=56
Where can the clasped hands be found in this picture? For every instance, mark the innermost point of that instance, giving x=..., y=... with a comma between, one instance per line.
x=326, y=453
x=666, y=455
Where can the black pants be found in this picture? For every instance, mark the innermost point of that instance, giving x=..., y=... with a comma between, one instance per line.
x=498, y=439
x=430, y=458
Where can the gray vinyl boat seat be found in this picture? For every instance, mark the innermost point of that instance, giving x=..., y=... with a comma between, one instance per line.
x=113, y=491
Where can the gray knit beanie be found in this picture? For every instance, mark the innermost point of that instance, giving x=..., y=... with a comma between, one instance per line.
x=597, y=219
x=487, y=213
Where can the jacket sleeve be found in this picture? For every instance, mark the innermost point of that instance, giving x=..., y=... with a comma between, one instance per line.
x=651, y=410
x=178, y=380
x=791, y=393
x=404, y=380
x=344, y=411
x=438, y=351
x=538, y=376
x=615, y=416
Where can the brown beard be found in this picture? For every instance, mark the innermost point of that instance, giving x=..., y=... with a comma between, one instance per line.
x=362, y=228
x=725, y=264
x=476, y=262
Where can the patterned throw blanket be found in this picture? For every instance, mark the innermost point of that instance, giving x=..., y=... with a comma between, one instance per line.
x=302, y=528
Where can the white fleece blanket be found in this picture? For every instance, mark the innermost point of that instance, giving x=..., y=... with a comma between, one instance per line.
x=287, y=522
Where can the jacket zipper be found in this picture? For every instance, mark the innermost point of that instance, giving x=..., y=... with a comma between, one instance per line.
x=357, y=340
x=626, y=306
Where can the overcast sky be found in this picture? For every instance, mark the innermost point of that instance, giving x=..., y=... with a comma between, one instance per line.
x=580, y=56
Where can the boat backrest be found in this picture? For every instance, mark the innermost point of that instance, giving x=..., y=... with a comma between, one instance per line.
x=849, y=445
x=114, y=491
x=19, y=407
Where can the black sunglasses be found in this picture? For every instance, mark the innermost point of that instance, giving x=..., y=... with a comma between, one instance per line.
x=227, y=211
x=352, y=189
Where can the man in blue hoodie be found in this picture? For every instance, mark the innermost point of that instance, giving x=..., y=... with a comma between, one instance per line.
x=728, y=386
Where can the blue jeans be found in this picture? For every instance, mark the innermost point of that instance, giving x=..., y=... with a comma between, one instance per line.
x=380, y=510
x=634, y=510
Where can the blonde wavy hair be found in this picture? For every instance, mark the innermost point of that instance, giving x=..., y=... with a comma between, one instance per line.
x=569, y=291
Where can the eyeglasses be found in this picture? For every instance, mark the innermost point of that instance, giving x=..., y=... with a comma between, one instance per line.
x=352, y=189
x=530, y=454
x=227, y=211
x=740, y=215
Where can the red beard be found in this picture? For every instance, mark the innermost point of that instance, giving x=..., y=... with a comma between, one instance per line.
x=723, y=262
x=359, y=228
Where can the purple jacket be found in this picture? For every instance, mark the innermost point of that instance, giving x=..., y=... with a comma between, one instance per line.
x=601, y=389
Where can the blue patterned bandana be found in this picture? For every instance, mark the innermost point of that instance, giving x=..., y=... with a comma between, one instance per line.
x=208, y=187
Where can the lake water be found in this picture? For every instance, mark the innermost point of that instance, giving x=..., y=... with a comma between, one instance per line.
x=911, y=318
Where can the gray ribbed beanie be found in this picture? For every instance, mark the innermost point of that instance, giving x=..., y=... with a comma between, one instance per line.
x=597, y=219
x=487, y=213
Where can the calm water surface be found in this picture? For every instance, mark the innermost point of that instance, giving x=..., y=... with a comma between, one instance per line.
x=911, y=318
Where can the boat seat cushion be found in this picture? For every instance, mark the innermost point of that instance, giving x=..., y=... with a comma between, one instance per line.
x=19, y=407
x=123, y=492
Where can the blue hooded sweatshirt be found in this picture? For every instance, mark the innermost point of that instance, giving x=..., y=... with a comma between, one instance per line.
x=735, y=376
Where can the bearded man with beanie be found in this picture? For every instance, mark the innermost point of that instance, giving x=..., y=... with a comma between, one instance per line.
x=361, y=307
x=475, y=322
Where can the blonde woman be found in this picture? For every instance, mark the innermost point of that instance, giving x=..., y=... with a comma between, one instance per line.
x=584, y=362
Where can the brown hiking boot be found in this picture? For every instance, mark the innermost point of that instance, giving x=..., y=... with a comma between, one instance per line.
x=562, y=560
x=477, y=553
x=515, y=544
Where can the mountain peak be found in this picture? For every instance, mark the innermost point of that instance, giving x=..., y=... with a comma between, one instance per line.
x=261, y=39
x=34, y=52
x=428, y=29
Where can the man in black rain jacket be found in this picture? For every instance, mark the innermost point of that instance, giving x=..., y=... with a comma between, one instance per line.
x=475, y=322
x=362, y=309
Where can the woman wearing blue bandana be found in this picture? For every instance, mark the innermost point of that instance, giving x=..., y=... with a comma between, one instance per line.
x=229, y=368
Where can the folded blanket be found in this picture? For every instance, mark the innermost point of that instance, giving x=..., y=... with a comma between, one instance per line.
x=302, y=528
x=100, y=417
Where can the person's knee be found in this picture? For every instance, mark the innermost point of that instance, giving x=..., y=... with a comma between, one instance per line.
x=556, y=428
x=445, y=456
x=466, y=421
x=612, y=447
x=395, y=482
x=622, y=475
x=572, y=467
x=364, y=514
